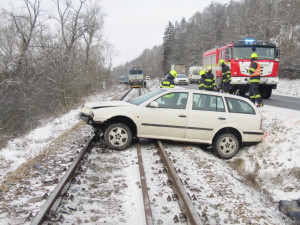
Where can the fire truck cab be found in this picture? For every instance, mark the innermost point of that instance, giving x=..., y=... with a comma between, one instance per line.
x=237, y=56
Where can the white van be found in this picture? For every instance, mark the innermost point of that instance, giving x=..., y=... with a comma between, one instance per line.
x=193, y=74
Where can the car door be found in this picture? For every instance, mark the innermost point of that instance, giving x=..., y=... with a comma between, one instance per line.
x=207, y=114
x=168, y=119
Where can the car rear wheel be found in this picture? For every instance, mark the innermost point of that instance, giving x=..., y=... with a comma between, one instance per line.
x=226, y=145
x=118, y=136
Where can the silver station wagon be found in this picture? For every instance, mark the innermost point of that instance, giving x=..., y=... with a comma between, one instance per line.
x=223, y=121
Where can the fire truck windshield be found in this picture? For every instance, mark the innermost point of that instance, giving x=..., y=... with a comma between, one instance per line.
x=136, y=72
x=245, y=52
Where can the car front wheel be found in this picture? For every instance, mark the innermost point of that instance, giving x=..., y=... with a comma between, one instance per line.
x=226, y=145
x=118, y=136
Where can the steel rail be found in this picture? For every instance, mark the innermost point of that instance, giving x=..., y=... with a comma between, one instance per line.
x=147, y=204
x=39, y=217
x=121, y=99
x=184, y=200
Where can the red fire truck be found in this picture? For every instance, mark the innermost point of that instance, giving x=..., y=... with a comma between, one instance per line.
x=237, y=56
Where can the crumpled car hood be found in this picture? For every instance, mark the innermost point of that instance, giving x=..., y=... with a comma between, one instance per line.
x=104, y=104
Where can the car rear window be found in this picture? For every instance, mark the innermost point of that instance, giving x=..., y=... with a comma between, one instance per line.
x=239, y=106
x=208, y=103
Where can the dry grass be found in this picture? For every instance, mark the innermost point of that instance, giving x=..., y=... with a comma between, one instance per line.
x=238, y=164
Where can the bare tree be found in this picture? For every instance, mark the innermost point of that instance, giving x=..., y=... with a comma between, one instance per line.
x=25, y=22
x=93, y=20
x=71, y=22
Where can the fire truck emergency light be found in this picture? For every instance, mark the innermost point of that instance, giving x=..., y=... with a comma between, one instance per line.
x=248, y=41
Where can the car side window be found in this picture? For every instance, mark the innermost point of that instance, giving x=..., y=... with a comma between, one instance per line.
x=239, y=106
x=175, y=100
x=208, y=103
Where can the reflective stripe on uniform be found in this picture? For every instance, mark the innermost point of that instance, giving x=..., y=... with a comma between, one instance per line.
x=255, y=96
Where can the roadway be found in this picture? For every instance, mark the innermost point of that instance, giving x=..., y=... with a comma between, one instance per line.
x=281, y=101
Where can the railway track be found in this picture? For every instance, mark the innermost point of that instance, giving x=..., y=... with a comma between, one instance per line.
x=51, y=209
x=104, y=187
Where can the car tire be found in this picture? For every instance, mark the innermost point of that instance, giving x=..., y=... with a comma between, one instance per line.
x=118, y=136
x=226, y=145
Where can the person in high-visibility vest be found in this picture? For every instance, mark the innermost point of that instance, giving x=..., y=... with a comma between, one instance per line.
x=210, y=82
x=169, y=81
x=254, y=73
x=202, y=80
x=226, y=76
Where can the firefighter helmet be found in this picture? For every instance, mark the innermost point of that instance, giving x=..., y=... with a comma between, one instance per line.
x=254, y=55
x=209, y=69
x=202, y=72
x=173, y=73
x=221, y=61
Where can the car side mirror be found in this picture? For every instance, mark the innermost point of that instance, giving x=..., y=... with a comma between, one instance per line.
x=153, y=105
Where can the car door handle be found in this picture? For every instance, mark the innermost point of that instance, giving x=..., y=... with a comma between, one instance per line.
x=181, y=115
x=222, y=118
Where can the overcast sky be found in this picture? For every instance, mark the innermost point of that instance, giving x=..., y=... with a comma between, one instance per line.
x=134, y=25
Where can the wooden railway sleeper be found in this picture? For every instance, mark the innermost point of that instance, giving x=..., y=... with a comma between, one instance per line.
x=159, y=161
x=176, y=219
x=193, y=197
x=164, y=170
x=173, y=160
x=59, y=219
x=177, y=170
x=174, y=197
x=65, y=196
x=156, y=153
x=169, y=182
x=183, y=217
x=72, y=197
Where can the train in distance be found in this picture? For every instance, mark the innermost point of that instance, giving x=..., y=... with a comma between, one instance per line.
x=135, y=78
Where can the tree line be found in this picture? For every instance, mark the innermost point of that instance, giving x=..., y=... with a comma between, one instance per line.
x=49, y=60
x=184, y=42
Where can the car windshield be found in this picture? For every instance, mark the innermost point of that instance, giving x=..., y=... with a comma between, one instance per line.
x=141, y=99
x=181, y=76
x=262, y=52
x=195, y=72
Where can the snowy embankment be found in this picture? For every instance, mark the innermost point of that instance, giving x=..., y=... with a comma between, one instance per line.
x=288, y=87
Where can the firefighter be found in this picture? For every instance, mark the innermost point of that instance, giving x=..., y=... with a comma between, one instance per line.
x=226, y=76
x=210, y=82
x=169, y=81
x=255, y=72
x=202, y=80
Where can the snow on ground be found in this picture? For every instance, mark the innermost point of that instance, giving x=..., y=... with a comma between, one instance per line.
x=288, y=87
x=275, y=161
x=273, y=165
x=20, y=149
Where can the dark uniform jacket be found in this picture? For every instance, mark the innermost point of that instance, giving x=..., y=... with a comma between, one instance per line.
x=226, y=74
x=168, y=82
x=210, y=82
x=202, y=83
